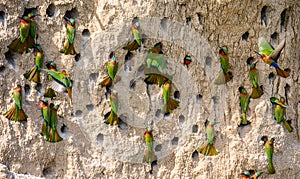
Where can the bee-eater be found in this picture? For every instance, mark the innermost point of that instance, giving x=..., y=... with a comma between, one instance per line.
x=16, y=113
x=279, y=112
x=113, y=116
x=256, y=89
x=61, y=83
x=256, y=175
x=137, y=41
x=270, y=55
x=46, y=118
x=34, y=73
x=187, y=60
x=250, y=174
x=169, y=103
x=208, y=148
x=33, y=29
x=245, y=175
x=149, y=152
x=21, y=44
x=244, y=103
x=112, y=69
x=224, y=75
x=53, y=134
x=50, y=93
x=269, y=148
x=71, y=32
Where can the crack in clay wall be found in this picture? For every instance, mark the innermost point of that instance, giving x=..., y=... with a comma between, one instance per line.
x=91, y=149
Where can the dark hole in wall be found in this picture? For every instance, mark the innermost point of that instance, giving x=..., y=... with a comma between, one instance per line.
x=132, y=84
x=85, y=35
x=163, y=23
x=2, y=69
x=90, y=107
x=245, y=36
x=134, y=20
x=10, y=59
x=100, y=138
x=188, y=21
x=181, y=119
x=50, y=11
x=208, y=61
x=195, y=156
x=215, y=99
x=27, y=89
x=158, y=147
x=29, y=10
x=38, y=87
x=175, y=141
x=198, y=98
x=195, y=128
x=283, y=20
x=73, y=13
x=271, y=76
x=287, y=89
x=2, y=17
x=158, y=113
x=250, y=60
x=64, y=128
x=200, y=19
x=274, y=38
x=263, y=16
x=176, y=94
x=93, y=76
x=78, y=113
x=77, y=57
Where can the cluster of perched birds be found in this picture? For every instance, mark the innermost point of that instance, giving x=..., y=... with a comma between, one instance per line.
x=156, y=74
x=59, y=82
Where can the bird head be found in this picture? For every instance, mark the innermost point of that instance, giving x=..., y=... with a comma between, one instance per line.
x=136, y=25
x=17, y=88
x=242, y=89
x=44, y=102
x=223, y=51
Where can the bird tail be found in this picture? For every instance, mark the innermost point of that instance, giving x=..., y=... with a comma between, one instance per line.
x=131, y=46
x=112, y=119
x=156, y=79
x=54, y=136
x=45, y=131
x=287, y=126
x=223, y=78
x=282, y=73
x=18, y=46
x=149, y=156
x=33, y=75
x=207, y=149
x=68, y=49
x=15, y=114
x=256, y=92
x=171, y=105
x=244, y=121
x=30, y=41
x=106, y=82
x=271, y=168
x=50, y=93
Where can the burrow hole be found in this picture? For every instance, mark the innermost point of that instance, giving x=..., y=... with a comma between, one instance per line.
x=163, y=23
x=271, y=76
x=29, y=10
x=2, y=17
x=90, y=107
x=85, y=35
x=177, y=95
x=158, y=113
x=208, y=61
x=250, y=60
x=77, y=57
x=134, y=20
x=50, y=11
x=93, y=76
x=195, y=156
x=245, y=36
x=132, y=84
x=78, y=113
x=73, y=13
x=263, y=16
x=158, y=148
x=215, y=99
x=2, y=69
x=283, y=20
x=38, y=87
x=195, y=128
x=127, y=64
x=100, y=138
x=188, y=21
x=274, y=37
x=200, y=19
x=181, y=119
x=175, y=141
x=198, y=98
x=27, y=89
x=287, y=89
x=10, y=59
x=64, y=128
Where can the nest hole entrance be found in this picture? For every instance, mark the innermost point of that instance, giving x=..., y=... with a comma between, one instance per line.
x=2, y=17
x=50, y=11
x=245, y=36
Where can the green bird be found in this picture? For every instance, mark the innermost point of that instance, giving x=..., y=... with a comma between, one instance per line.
x=33, y=29
x=208, y=148
x=187, y=60
x=71, y=33
x=250, y=174
x=53, y=134
x=112, y=69
x=256, y=89
x=137, y=41
x=244, y=103
x=46, y=118
x=149, y=156
x=269, y=55
x=169, y=103
x=256, y=175
x=50, y=93
x=224, y=75
x=61, y=83
x=156, y=70
x=34, y=73
x=16, y=113
x=269, y=148
x=279, y=112
x=113, y=116
x=21, y=44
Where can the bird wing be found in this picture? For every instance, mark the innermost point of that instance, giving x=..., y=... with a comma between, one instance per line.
x=275, y=55
x=265, y=47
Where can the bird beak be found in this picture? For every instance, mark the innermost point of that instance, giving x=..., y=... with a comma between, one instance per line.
x=257, y=53
x=66, y=18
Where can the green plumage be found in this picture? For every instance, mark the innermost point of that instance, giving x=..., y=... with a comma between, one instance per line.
x=137, y=33
x=46, y=119
x=269, y=148
x=169, y=103
x=34, y=73
x=149, y=152
x=53, y=134
x=208, y=148
x=113, y=116
x=244, y=103
x=256, y=90
x=279, y=112
x=71, y=33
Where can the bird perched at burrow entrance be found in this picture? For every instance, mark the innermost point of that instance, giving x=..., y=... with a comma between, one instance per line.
x=170, y=104
x=257, y=90
x=34, y=73
x=68, y=48
x=269, y=55
x=137, y=35
x=112, y=69
x=224, y=75
x=279, y=112
x=61, y=82
x=208, y=147
x=187, y=60
x=16, y=112
x=46, y=118
x=50, y=93
x=33, y=29
x=113, y=118
x=149, y=156
x=244, y=103
x=156, y=66
x=53, y=134
x=269, y=149
x=250, y=174
x=24, y=41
